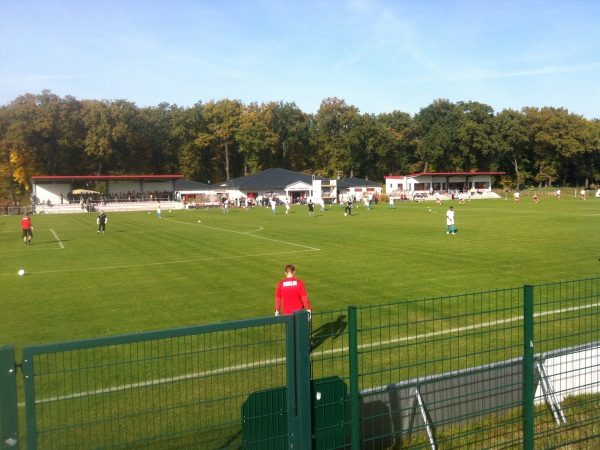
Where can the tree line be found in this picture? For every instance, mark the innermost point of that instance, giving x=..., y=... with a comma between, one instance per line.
x=44, y=134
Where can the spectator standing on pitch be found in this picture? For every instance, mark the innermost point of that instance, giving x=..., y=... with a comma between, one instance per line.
x=291, y=294
x=582, y=194
x=311, y=208
x=558, y=194
x=348, y=210
x=158, y=210
x=101, y=221
x=450, y=220
x=391, y=203
x=27, y=229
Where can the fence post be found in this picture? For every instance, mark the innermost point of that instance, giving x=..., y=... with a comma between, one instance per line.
x=303, y=428
x=9, y=429
x=354, y=400
x=528, y=373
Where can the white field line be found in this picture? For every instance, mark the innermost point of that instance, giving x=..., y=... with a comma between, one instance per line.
x=281, y=360
x=188, y=261
x=35, y=247
x=182, y=261
x=56, y=237
x=247, y=233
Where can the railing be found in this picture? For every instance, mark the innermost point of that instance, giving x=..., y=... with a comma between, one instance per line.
x=509, y=368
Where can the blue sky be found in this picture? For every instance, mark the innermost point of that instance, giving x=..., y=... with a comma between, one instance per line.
x=379, y=55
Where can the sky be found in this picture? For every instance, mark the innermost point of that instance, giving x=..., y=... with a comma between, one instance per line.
x=379, y=55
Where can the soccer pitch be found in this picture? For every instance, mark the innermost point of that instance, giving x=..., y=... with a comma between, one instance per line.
x=147, y=273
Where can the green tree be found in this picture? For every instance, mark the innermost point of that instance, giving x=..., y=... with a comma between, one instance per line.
x=256, y=138
x=558, y=139
x=393, y=143
x=58, y=134
x=433, y=136
x=222, y=121
x=475, y=137
x=111, y=128
x=291, y=126
x=194, y=156
x=332, y=135
x=512, y=144
x=156, y=146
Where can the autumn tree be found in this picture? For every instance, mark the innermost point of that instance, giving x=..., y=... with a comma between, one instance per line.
x=20, y=155
x=256, y=138
x=222, y=121
x=332, y=133
x=194, y=157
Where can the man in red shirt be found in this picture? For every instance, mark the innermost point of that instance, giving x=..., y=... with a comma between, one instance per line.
x=27, y=229
x=291, y=294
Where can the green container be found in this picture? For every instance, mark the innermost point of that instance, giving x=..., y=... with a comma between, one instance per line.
x=264, y=417
x=329, y=413
x=264, y=420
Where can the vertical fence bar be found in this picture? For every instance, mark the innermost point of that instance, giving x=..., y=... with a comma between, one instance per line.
x=290, y=357
x=354, y=400
x=9, y=428
x=528, y=373
x=30, y=413
x=303, y=428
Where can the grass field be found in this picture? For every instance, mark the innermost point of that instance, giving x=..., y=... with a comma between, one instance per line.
x=147, y=273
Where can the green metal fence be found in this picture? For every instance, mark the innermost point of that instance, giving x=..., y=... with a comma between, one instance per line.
x=179, y=388
x=509, y=368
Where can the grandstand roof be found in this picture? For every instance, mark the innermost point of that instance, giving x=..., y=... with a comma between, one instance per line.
x=72, y=178
x=105, y=177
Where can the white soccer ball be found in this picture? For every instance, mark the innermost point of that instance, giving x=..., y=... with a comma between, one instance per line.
x=21, y=272
x=345, y=214
x=199, y=221
x=148, y=212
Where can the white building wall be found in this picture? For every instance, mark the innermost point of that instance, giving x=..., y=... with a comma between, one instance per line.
x=45, y=192
x=123, y=187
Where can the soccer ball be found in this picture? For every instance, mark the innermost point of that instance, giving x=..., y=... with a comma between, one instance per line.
x=21, y=272
x=345, y=214
x=199, y=221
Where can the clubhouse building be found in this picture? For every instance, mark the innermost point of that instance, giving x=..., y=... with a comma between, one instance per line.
x=442, y=182
x=113, y=190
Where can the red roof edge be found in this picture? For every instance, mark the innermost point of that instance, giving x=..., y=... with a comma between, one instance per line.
x=105, y=177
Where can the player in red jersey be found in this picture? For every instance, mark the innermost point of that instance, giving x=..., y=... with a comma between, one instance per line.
x=291, y=293
x=27, y=229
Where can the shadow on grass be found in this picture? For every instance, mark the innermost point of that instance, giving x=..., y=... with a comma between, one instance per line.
x=331, y=330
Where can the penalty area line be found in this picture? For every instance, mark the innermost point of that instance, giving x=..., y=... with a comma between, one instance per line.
x=182, y=261
x=247, y=233
x=60, y=244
